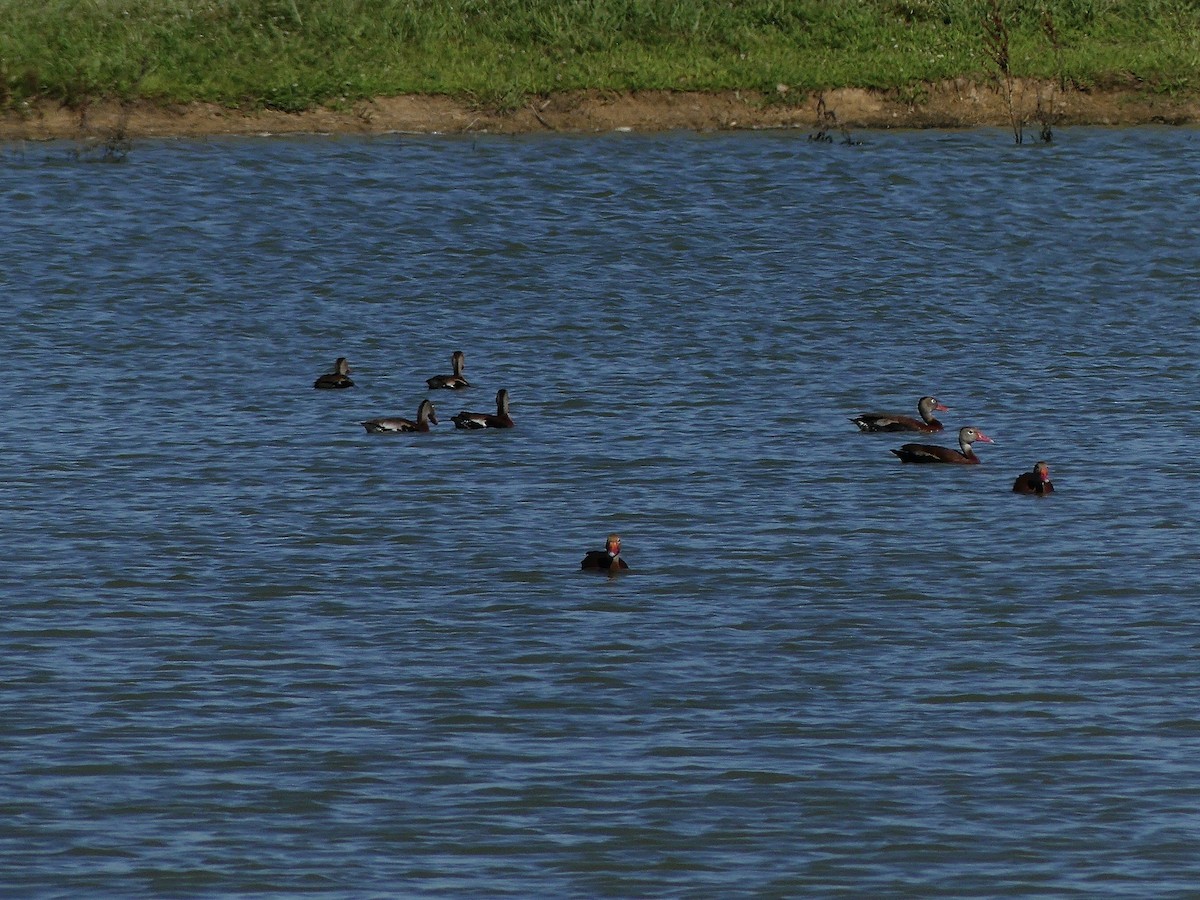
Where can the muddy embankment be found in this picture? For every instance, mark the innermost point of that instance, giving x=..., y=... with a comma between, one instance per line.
x=955, y=104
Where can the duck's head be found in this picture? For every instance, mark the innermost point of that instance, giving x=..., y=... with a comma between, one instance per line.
x=970, y=435
x=927, y=406
x=426, y=411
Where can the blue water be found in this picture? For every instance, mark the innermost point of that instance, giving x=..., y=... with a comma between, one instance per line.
x=249, y=649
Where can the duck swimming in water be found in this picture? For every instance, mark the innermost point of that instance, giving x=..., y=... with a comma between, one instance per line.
x=606, y=560
x=425, y=415
x=1035, y=481
x=453, y=382
x=338, y=378
x=930, y=453
x=926, y=407
x=473, y=420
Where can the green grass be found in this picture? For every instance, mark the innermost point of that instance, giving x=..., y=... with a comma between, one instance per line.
x=295, y=54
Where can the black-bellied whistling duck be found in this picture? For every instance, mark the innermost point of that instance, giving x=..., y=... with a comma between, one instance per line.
x=1035, y=481
x=425, y=415
x=606, y=560
x=930, y=453
x=926, y=406
x=455, y=381
x=501, y=419
x=338, y=378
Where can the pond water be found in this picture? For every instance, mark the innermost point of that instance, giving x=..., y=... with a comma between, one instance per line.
x=250, y=649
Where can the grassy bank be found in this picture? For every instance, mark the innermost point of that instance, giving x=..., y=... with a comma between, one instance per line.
x=296, y=54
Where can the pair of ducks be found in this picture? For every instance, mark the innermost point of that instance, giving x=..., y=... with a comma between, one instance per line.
x=1036, y=481
x=339, y=378
x=426, y=415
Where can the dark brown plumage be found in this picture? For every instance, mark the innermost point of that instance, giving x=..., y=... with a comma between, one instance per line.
x=396, y=425
x=454, y=382
x=1035, y=481
x=931, y=453
x=473, y=420
x=606, y=560
x=926, y=406
x=337, y=379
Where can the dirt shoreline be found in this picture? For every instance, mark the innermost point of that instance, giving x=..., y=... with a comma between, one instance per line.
x=955, y=104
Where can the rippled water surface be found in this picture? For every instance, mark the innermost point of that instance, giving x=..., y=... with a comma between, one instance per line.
x=248, y=649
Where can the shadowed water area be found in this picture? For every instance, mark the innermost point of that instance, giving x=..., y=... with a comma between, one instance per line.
x=248, y=649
